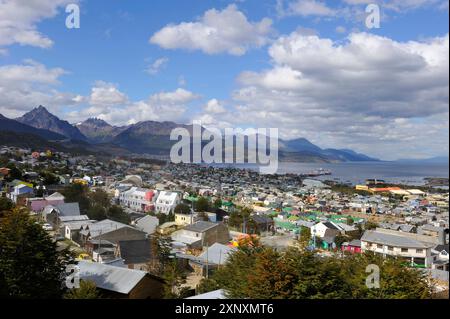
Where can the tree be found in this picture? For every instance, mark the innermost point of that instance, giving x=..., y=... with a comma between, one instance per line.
x=207, y=285
x=160, y=253
x=370, y=225
x=49, y=178
x=14, y=173
x=117, y=214
x=202, y=205
x=99, y=197
x=340, y=239
x=350, y=221
x=30, y=265
x=174, y=279
x=305, y=236
x=77, y=193
x=182, y=209
x=217, y=203
x=87, y=290
x=97, y=212
x=5, y=204
x=263, y=273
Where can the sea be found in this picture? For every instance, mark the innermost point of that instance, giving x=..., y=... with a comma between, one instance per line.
x=357, y=172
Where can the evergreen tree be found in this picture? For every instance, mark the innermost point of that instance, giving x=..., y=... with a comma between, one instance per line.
x=30, y=265
x=182, y=209
x=262, y=273
x=202, y=205
x=117, y=214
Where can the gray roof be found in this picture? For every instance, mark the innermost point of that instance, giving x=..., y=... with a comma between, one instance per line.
x=377, y=237
x=355, y=243
x=216, y=294
x=74, y=218
x=102, y=227
x=262, y=219
x=121, y=280
x=331, y=225
x=441, y=248
x=68, y=209
x=135, y=251
x=147, y=224
x=217, y=254
x=200, y=226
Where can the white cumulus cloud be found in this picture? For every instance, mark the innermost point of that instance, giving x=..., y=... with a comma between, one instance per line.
x=215, y=32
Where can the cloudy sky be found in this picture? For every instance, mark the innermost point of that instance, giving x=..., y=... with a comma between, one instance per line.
x=308, y=67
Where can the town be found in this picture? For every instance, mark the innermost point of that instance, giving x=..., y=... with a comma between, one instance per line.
x=143, y=228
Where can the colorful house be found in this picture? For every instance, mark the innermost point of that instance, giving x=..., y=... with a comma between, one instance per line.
x=353, y=247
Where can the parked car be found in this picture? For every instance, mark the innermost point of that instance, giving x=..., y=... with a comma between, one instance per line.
x=47, y=227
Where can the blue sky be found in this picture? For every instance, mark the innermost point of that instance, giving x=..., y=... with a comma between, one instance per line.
x=152, y=60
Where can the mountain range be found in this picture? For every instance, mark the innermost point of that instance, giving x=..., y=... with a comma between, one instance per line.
x=147, y=137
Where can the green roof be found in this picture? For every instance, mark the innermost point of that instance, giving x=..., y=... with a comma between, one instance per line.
x=227, y=203
x=192, y=198
x=285, y=225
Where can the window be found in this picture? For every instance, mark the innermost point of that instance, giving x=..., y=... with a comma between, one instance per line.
x=390, y=248
x=419, y=251
x=404, y=250
x=380, y=246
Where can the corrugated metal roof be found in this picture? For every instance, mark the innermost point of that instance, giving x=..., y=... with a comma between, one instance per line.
x=217, y=254
x=121, y=280
x=376, y=237
x=200, y=226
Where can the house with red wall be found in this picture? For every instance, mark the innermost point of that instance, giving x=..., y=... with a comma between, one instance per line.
x=353, y=247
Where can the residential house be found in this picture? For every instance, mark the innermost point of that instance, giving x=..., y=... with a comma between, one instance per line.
x=441, y=253
x=137, y=199
x=263, y=223
x=325, y=229
x=52, y=214
x=72, y=226
x=108, y=230
x=147, y=224
x=213, y=257
x=121, y=283
x=37, y=204
x=166, y=202
x=20, y=193
x=440, y=233
x=185, y=219
x=410, y=247
x=353, y=246
x=202, y=234
x=135, y=253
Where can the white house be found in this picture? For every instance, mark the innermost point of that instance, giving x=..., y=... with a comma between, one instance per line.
x=138, y=199
x=321, y=228
x=398, y=244
x=166, y=202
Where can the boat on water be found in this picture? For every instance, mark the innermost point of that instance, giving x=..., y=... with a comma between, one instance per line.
x=318, y=172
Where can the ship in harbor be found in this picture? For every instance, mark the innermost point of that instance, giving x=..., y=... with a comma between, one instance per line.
x=318, y=172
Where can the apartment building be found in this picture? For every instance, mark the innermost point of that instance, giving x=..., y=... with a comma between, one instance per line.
x=414, y=249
